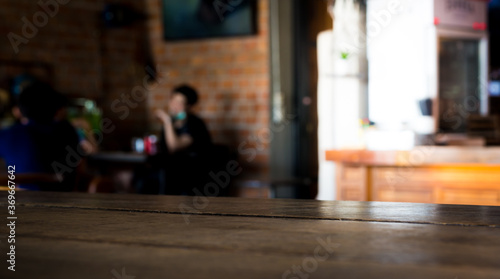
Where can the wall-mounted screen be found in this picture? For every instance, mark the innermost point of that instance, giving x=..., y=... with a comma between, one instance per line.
x=195, y=19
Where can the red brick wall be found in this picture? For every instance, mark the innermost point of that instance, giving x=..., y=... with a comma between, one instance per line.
x=232, y=77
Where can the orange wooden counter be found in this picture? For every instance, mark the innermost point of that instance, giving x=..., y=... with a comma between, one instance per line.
x=426, y=174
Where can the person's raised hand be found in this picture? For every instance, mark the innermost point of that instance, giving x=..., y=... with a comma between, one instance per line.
x=162, y=115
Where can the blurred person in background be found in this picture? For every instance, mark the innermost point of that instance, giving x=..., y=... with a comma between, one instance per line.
x=183, y=131
x=39, y=138
x=184, y=144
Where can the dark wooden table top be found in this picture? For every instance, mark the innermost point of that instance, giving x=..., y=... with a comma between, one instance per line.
x=72, y=235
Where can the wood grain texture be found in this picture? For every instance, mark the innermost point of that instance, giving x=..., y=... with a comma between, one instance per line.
x=270, y=208
x=70, y=235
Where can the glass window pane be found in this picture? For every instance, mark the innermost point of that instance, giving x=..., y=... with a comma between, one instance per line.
x=458, y=83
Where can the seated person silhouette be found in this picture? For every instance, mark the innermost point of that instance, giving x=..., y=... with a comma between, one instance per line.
x=183, y=146
x=38, y=140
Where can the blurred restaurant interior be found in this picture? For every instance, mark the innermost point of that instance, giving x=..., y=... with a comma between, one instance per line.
x=399, y=103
